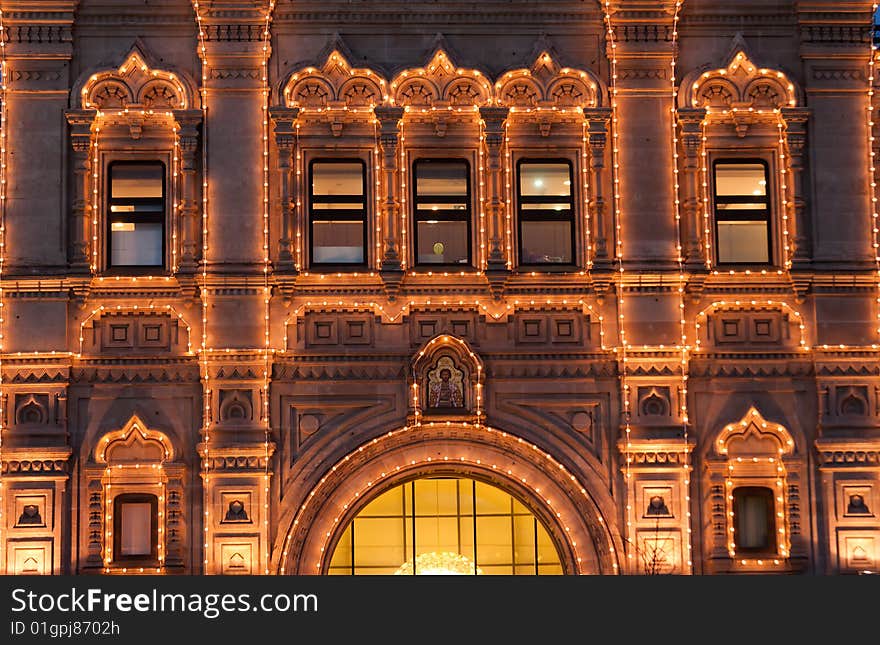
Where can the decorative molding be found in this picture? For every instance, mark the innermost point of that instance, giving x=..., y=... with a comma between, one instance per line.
x=848, y=453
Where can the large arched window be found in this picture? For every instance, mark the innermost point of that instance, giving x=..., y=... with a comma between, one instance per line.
x=445, y=525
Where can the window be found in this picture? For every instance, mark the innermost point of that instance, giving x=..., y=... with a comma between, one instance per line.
x=337, y=212
x=546, y=212
x=443, y=212
x=742, y=212
x=754, y=520
x=445, y=526
x=137, y=214
x=135, y=527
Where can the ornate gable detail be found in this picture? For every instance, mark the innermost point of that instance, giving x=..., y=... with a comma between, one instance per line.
x=335, y=85
x=742, y=85
x=546, y=84
x=441, y=84
x=135, y=84
x=752, y=436
x=134, y=444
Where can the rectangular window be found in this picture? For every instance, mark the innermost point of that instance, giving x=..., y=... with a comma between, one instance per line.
x=137, y=215
x=135, y=527
x=545, y=206
x=742, y=212
x=337, y=212
x=754, y=520
x=442, y=212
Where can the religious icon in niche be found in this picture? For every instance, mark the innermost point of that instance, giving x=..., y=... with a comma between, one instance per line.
x=236, y=512
x=445, y=386
x=30, y=516
x=657, y=506
x=857, y=506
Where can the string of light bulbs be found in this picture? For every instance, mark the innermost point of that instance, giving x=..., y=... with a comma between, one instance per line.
x=267, y=353
x=3, y=192
x=683, y=346
x=611, y=42
x=203, y=351
x=872, y=166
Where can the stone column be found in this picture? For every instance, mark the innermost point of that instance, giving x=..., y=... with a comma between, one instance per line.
x=598, y=120
x=796, y=140
x=493, y=134
x=234, y=257
x=690, y=122
x=284, y=126
x=389, y=137
x=188, y=208
x=81, y=205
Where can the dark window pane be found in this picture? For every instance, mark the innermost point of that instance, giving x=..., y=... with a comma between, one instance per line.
x=545, y=179
x=546, y=242
x=136, y=243
x=137, y=181
x=441, y=178
x=337, y=178
x=754, y=526
x=337, y=242
x=742, y=241
x=442, y=242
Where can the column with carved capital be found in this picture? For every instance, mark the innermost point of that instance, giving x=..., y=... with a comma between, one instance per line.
x=389, y=138
x=188, y=208
x=284, y=126
x=493, y=135
x=796, y=140
x=81, y=209
x=597, y=132
x=690, y=123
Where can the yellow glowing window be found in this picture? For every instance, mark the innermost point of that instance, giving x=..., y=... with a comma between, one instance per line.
x=445, y=526
x=337, y=212
x=136, y=218
x=742, y=212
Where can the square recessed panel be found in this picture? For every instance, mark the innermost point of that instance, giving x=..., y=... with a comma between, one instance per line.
x=656, y=501
x=29, y=557
x=239, y=556
x=33, y=511
x=119, y=333
x=859, y=550
x=857, y=502
x=152, y=333
x=237, y=507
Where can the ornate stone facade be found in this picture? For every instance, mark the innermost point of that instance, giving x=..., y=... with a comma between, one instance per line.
x=622, y=397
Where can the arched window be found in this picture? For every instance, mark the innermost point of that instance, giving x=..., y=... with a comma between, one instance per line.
x=445, y=526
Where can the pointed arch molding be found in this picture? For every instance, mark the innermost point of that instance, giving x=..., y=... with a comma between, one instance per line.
x=753, y=435
x=134, y=83
x=740, y=84
x=134, y=443
x=440, y=84
x=312, y=522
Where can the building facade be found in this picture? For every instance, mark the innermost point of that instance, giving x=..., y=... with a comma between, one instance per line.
x=507, y=287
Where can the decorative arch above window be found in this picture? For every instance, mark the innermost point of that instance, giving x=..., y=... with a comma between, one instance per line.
x=135, y=83
x=741, y=84
x=336, y=84
x=134, y=443
x=754, y=436
x=547, y=84
x=760, y=508
x=441, y=83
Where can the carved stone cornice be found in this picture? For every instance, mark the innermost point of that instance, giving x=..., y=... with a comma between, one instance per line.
x=137, y=371
x=842, y=453
x=720, y=365
x=244, y=459
x=35, y=462
x=656, y=452
x=39, y=29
